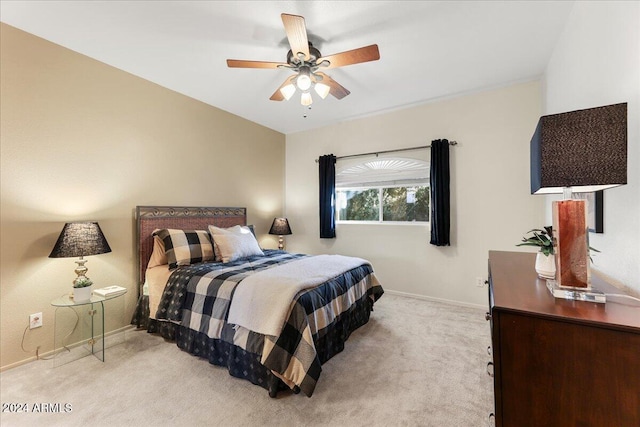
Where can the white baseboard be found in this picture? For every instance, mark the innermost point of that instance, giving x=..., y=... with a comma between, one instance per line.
x=49, y=354
x=442, y=300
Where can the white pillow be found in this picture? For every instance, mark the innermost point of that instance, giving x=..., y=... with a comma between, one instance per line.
x=216, y=231
x=233, y=246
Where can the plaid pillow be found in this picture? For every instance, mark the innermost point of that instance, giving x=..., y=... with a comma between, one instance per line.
x=185, y=247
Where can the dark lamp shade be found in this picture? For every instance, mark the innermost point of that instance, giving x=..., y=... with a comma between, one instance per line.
x=585, y=150
x=280, y=227
x=79, y=239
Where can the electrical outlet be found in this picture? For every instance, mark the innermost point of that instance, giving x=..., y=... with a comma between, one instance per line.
x=35, y=320
x=479, y=282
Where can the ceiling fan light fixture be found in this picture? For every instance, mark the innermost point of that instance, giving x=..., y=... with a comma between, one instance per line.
x=303, y=81
x=322, y=90
x=288, y=91
x=306, y=99
x=305, y=60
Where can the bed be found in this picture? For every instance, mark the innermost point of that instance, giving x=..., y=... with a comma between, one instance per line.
x=267, y=316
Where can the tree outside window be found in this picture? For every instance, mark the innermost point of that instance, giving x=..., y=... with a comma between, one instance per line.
x=392, y=204
x=405, y=204
x=358, y=205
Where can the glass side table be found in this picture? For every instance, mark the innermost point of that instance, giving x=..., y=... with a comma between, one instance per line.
x=79, y=328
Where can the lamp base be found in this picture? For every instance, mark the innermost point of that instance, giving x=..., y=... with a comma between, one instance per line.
x=576, y=294
x=571, y=243
x=80, y=270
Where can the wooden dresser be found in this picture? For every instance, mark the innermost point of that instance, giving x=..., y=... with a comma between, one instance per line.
x=558, y=362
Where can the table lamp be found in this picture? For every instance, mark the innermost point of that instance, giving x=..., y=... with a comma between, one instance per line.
x=578, y=151
x=280, y=227
x=80, y=239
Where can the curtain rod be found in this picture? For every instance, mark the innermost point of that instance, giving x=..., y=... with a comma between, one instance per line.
x=388, y=151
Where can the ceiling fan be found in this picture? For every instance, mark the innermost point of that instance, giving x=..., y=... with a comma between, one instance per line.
x=306, y=61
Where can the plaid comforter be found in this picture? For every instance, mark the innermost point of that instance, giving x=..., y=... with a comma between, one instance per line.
x=198, y=297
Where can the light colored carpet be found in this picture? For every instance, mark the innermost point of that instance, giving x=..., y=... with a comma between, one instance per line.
x=416, y=363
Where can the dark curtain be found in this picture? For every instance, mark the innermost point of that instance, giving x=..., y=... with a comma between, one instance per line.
x=440, y=194
x=327, y=166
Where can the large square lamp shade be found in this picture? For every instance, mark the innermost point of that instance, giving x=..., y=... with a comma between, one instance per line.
x=80, y=239
x=585, y=150
x=577, y=151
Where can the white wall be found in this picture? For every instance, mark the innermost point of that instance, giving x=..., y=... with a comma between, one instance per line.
x=597, y=62
x=491, y=204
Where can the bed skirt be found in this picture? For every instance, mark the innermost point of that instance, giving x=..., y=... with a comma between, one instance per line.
x=246, y=365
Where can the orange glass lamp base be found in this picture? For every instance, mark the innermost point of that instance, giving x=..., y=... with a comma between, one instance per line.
x=572, y=244
x=573, y=272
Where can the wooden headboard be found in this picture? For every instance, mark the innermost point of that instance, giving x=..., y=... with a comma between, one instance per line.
x=149, y=218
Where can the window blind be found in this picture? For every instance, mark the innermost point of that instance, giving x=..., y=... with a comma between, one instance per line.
x=384, y=170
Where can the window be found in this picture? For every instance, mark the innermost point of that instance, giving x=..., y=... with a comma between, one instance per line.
x=389, y=203
x=390, y=189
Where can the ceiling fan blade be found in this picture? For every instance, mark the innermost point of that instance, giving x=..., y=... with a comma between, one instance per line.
x=336, y=89
x=350, y=57
x=296, y=33
x=239, y=63
x=277, y=95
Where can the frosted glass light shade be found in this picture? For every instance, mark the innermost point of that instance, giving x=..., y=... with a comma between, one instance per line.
x=322, y=90
x=288, y=91
x=303, y=81
x=306, y=99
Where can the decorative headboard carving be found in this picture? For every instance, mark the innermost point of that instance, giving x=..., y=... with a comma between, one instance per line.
x=149, y=218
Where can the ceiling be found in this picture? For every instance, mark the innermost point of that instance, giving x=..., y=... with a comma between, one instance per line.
x=428, y=49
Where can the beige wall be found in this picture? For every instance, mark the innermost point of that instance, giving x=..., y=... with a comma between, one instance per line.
x=491, y=204
x=597, y=62
x=84, y=141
